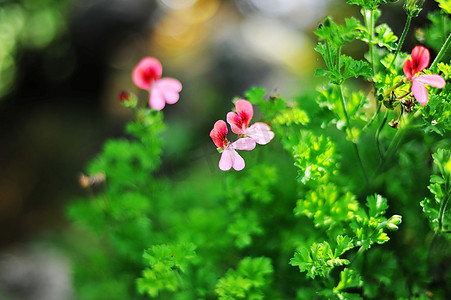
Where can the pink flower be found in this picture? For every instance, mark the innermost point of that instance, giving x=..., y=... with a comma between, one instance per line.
x=229, y=157
x=147, y=76
x=239, y=122
x=418, y=62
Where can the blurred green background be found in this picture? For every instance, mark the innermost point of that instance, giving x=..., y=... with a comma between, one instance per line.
x=63, y=64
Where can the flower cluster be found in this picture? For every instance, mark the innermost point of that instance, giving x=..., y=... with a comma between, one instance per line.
x=147, y=76
x=418, y=61
x=248, y=136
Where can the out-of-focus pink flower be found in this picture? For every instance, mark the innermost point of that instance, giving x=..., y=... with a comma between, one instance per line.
x=418, y=61
x=239, y=122
x=229, y=157
x=147, y=76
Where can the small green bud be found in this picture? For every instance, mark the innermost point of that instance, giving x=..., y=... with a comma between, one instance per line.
x=326, y=22
x=128, y=100
x=393, y=222
x=413, y=7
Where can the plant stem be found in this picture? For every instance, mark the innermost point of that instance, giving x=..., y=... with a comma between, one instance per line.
x=370, y=28
x=376, y=113
x=442, y=51
x=378, y=132
x=350, y=134
x=401, y=40
x=395, y=143
x=387, y=92
x=441, y=214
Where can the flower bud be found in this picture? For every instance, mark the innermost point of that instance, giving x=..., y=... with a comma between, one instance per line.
x=413, y=7
x=393, y=222
x=128, y=100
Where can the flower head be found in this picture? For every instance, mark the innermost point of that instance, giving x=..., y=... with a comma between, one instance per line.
x=229, y=157
x=239, y=122
x=147, y=76
x=418, y=61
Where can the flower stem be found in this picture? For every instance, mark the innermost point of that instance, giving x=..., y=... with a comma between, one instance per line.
x=350, y=134
x=401, y=40
x=442, y=51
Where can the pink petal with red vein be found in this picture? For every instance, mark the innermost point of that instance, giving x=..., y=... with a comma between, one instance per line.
x=433, y=80
x=407, y=68
x=245, y=111
x=146, y=72
x=235, y=123
x=243, y=144
x=219, y=133
x=420, y=58
x=260, y=132
x=420, y=92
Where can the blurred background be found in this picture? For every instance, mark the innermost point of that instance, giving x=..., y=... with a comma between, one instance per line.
x=63, y=64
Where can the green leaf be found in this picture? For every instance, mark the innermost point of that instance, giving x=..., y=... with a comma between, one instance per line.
x=338, y=35
x=344, y=243
x=270, y=106
x=377, y=205
x=445, y=5
x=243, y=226
x=354, y=68
x=440, y=189
x=327, y=206
x=436, y=33
x=165, y=262
x=315, y=157
x=319, y=260
x=385, y=37
x=349, y=278
x=369, y=4
x=248, y=281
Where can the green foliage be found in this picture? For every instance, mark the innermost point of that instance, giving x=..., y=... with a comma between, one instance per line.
x=445, y=5
x=369, y=4
x=165, y=264
x=315, y=158
x=349, y=279
x=369, y=229
x=247, y=281
x=440, y=188
x=385, y=37
x=437, y=114
x=320, y=259
x=435, y=34
x=327, y=206
x=338, y=35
